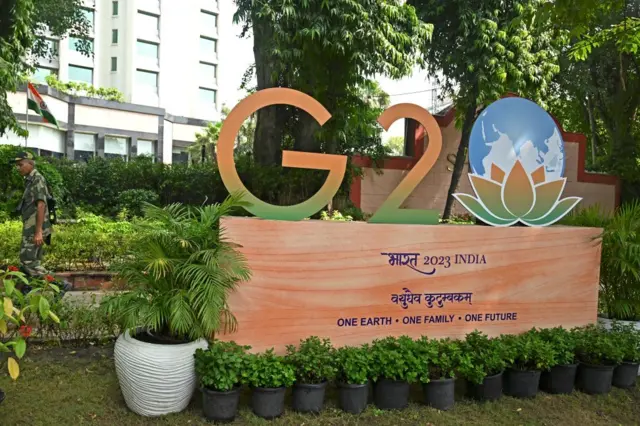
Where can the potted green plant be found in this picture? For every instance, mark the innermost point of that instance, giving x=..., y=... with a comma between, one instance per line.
x=482, y=365
x=561, y=377
x=395, y=367
x=219, y=369
x=179, y=276
x=269, y=376
x=526, y=355
x=599, y=354
x=439, y=360
x=353, y=365
x=627, y=337
x=313, y=364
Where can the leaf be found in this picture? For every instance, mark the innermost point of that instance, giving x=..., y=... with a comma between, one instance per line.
x=13, y=367
x=9, y=287
x=54, y=317
x=3, y=326
x=8, y=306
x=44, y=308
x=20, y=348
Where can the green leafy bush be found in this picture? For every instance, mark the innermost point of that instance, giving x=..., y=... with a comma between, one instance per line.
x=628, y=339
x=620, y=261
x=395, y=359
x=563, y=344
x=268, y=370
x=527, y=351
x=133, y=201
x=482, y=357
x=312, y=360
x=597, y=346
x=439, y=359
x=219, y=368
x=353, y=364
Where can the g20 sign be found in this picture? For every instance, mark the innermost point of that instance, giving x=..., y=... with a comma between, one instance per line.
x=516, y=154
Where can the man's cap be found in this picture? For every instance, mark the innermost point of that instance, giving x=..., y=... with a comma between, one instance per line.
x=22, y=155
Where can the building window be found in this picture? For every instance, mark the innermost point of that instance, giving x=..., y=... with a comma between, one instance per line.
x=149, y=24
x=114, y=63
x=207, y=96
x=52, y=47
x=147, y=50
x=208, y=20
x=146, y=147
x=147, y=79
x=90, y=15
x=74, y=44
x=208, y=46
x=82, y=74
x=208, y=73
x=42, y=73
x=179, y=156
x=114, y=8
x=116, y=147
x=84, y=146
x=114, y=36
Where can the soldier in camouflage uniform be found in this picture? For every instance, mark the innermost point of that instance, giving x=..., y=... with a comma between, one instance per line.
x=36, y=226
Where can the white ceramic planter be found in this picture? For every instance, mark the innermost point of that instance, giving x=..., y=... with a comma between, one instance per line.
x=607, y=324
x=156, y=379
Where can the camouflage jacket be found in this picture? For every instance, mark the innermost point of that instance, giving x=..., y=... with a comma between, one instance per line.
x=35, y=190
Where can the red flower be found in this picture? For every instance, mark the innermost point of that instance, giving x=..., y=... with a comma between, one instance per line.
x=49, y=278
x=13, y=268
x=25, y=331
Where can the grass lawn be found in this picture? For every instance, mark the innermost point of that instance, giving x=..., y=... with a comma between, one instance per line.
x=74, y=386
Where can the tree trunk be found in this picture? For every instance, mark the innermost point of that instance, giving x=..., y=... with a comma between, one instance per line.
x=460, y=157
x=268, y=133
x=594, y=129
x=305, y=133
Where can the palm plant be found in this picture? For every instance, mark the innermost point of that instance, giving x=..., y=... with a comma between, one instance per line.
x=620, y=262
x=180, y=274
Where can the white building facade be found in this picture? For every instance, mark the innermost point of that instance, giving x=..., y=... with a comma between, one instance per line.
x=161, y=54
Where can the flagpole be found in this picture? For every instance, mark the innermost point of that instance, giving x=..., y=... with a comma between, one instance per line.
x=26, y=137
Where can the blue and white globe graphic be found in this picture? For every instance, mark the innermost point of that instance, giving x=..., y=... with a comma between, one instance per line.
x=516, y=129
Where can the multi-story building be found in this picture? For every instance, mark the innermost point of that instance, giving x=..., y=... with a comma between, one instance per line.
x=161, y=54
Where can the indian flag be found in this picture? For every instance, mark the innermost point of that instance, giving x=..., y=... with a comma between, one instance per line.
x=37, y=104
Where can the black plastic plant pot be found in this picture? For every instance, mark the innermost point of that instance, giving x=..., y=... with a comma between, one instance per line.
x=559, y=380
x=391, y=394
x=595, y=379
x=220, y=407
x=521, y=383
x=625, y=375
x=439, y=394
x=353, y=398
x=308, y=398
x=489, y=390
x=268, y=403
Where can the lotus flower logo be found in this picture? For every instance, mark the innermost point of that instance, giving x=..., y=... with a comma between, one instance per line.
x=505, y=200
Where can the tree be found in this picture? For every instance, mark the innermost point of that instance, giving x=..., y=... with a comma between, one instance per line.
x=329, y=49
x=484, y=49
x=23, y=24
x=395, y=144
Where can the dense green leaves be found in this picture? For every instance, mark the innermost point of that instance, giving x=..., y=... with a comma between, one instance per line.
x=181, y=273
x=627, y=337
x=482, y=356
x=395, y=358
x=220, y=367
x=597, y=346
x=312, y=360
x=353, y=364
x=528, y=351
x=268, y=370
x=563, y=344
x=439, y=359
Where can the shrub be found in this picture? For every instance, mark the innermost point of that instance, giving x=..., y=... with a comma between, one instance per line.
x=395, y=359
x=482, y=357
x=628, y=339
x=133, y=201
x=563, y=344
x=268, y=370
x=312, y=361
x=528, y=351
x=439, y=359
x=596, y=346
x=353, y=364
x=220, y=367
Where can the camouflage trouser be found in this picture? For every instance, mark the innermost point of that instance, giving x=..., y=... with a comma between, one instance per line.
x=31, y=257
